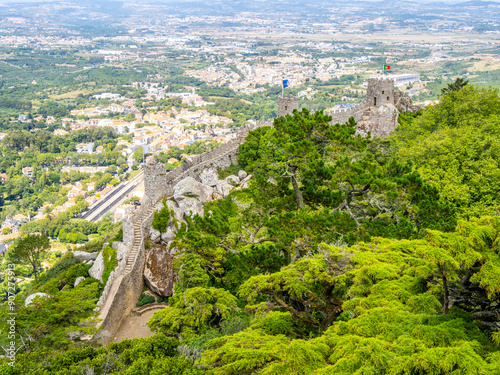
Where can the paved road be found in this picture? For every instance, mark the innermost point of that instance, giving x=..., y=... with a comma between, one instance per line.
x=112, y=198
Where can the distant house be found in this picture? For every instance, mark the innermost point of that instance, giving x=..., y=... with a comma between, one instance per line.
x=22, y=118
x=27, y=171
x=99, y=150
x=85, y=148
x=21, y=219
x=4, y=177
x=75, y=192
x=60, y=132
x=9, y=221
x=70, y=203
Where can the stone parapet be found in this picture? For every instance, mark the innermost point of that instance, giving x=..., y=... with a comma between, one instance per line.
x=125, y=285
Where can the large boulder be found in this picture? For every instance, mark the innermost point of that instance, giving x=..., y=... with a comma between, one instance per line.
x=79, y=280
x=178, y=212
x=97, y=268
x=223, y=188
x=191, y=206
x=242, y=175
x=190, y=188
x=169, y=235
x=209, y=177
x=83, y=256
x=245, y=181
x=155, y=235
x=75, y=335
x=159, y=271
x=232, y=180
x=31, y=297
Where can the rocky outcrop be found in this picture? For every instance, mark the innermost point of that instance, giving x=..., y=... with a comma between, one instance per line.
x=189, y=197
x=29, y=300
x=158, y=271
x=242, y=175
x=209, y=177
x=97, y=268
x=191, y=206
x=155, y=235
x=190, y=188
x=380, y=122
x=83, y=256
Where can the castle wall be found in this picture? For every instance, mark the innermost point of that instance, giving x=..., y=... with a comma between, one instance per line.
x=158, y=184
x=341, y=116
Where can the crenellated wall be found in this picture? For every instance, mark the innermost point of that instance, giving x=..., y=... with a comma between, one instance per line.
x=126, y=283
x=377, y=115
x=340, y=116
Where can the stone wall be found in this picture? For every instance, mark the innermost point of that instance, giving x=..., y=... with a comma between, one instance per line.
x=286, y=105
x=340, y=116
x=158, y=184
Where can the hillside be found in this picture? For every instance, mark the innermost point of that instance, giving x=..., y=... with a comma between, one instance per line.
x=340, y=255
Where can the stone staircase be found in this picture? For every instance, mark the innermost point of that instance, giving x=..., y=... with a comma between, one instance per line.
x=137, y=240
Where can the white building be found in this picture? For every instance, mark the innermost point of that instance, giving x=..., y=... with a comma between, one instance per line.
x=404, y=79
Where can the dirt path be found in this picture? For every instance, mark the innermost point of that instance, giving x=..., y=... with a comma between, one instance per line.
x=134, y=327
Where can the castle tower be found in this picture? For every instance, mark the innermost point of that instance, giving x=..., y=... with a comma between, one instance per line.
x=380, y=91
x=286, y=105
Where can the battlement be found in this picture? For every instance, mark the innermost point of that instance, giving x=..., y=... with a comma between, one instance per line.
x=342, y=115
x=380, y=78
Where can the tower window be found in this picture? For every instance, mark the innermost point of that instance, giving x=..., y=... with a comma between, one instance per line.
x=286, y=107
x=382, y=92
x=387, y=98
x=375, y=101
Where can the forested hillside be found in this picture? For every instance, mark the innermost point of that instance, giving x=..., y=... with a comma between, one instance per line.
x=345, y=255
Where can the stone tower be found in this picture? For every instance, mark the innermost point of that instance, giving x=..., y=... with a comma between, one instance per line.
x=380, y=91
x=286, y=105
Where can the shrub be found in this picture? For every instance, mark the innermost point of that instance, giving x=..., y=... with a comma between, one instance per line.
x=58, y=254
x=161, y=218
x=119, y=236
x=159, y=299
x=144, y=299
x=110, y=262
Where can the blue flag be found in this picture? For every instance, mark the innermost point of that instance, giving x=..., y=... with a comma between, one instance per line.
x=286, y=83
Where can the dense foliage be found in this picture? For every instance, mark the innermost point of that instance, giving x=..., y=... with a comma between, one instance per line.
x=344, y=255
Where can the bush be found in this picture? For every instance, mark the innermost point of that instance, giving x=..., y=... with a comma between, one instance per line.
x=161, y=218
x=110, y=262
x=144, y=299
x=159, y=299
x=119, y=236
x=61, y=266
x=58, y=254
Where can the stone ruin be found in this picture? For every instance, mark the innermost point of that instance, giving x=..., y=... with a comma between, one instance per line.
x=380, y=111
x=187, y=187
